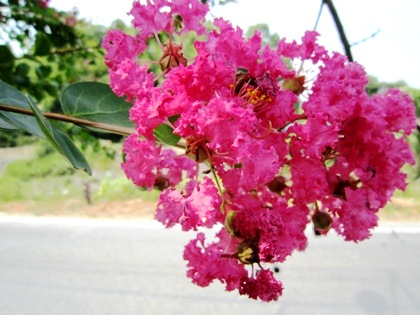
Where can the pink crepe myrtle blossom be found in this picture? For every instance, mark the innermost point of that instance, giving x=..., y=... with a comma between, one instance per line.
x=273, y=139
x=156, y=16
x=43, y=3
x=206, y=264
x=147, y=164
x=191, y=209
x=173, y=18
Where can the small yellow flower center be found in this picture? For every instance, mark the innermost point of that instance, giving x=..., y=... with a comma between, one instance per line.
x=259, y=92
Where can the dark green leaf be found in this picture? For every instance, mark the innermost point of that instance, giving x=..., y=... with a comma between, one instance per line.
x=7, y=57
x=173, y=118
x=42, y=45
x=23, y=69
x=43, y=71
x=61, y=142
x=96, y=102
x=165, y=134
x=11, y=96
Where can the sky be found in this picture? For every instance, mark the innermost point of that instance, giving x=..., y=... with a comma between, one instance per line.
x=392, y=55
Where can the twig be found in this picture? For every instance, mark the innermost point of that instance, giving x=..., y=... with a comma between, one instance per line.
x=340, y=29
x=365, y=39
x=71, y=50
x=124, y=131
x=319, y=14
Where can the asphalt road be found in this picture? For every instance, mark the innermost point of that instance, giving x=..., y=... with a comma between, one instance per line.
x=55, y=266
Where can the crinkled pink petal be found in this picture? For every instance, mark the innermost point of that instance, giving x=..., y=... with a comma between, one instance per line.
x=130, y=80
x=264, y=286
x=170, y=207
x=145, y=113
x=268, y=219
x=338, y=89
x=307, y=50
x=205, y=264
x=157, y=15
x=399, y=110
x=174, y=166
x=256, y=166
x=308, y=177
x=202, y=207
x=140, y=160
x=355, y=218
x=229, y=44
x=120, y=46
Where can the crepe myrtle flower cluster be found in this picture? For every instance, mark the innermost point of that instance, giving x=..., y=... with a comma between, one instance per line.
x=272, y=140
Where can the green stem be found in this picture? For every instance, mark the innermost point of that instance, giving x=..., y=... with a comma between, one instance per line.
x=125, y=131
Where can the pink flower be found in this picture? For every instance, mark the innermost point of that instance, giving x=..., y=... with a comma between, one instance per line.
x=157, y=16
x=197, y=206
x=268, y=144
x=209, y=262
x=120, y=46
x=308, y=50
x=338, y=89
x=145, y=163
x=202, y=207
x=206, y=262
x=130, y=80
x=140, y=161
x=170, y=207
x=145, y=112
x=43, y=3
x=257, y=166
x=397, y=108
x=264, y=286
x=265, y=219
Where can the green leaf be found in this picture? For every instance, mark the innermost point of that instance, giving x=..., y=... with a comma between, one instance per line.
x=96, y=102
x=5, y=125
x=43, y=71
x=7, y=58
x=61, y=142
x=166, y=134
x=11, y=96
x=23, y=69
x=38, y=126
x=42, y=45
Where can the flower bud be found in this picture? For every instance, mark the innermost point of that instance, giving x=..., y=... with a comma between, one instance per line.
x=161, y=183
x=277, y=185
x=322, y=222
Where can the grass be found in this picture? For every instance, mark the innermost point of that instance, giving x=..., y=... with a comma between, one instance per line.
x=48, y=185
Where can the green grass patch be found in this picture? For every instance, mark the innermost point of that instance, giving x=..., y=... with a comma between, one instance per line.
x=45, y=177
x=121, y=188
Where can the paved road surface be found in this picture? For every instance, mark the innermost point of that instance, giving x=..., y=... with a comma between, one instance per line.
x=102, y=267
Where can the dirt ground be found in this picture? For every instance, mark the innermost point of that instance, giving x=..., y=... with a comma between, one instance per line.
x=137, y=209
x=130, y=209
